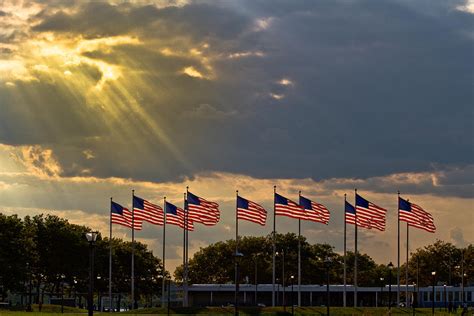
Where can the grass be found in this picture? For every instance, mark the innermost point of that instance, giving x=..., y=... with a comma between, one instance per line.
x=53, y=310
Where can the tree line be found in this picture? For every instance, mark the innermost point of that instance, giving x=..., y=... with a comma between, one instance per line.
x=215, y=263
x=47, y=253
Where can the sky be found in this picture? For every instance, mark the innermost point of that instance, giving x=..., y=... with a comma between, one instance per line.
x=98, y=98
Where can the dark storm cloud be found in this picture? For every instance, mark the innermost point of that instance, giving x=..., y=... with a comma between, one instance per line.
x=379, y=87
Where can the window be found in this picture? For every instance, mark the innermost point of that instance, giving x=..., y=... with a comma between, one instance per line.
x=469, y=296
x=438, y=296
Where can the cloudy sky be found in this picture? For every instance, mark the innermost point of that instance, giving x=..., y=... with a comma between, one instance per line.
x=99, y=98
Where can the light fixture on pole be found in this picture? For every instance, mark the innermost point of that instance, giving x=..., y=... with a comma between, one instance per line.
x=237, y=256
x=433, y=298
x=292, y=304
x=390, y=267
x=91, y=238
x=327, y=263
x=381, y=291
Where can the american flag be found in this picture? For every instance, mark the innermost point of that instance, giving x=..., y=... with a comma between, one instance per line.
x=286, y=207
x=369, y=215
x=175, y=216
x=122, y=216
x=415, y=216
x=201, y=210
x=251, y=211
x=350, y=213
x=147, y=211
x=314, y=211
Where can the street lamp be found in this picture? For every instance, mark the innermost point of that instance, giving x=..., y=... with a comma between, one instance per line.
x=62, y=292
x=390, y=267
x=381, y=291
x=292, y=304
x=237, y=256
x=283, y=277
x=433, y=298
x=445, y=299
x=327, y=263
x=256, y=279
x=91, y=238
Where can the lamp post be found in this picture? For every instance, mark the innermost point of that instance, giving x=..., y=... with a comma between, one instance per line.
x=91, y=238
x=282, y=277
x=381, y=291
x=433, y=298
x=292, y=304
x=237, y=257
x=256, y=280
x=390, y=267
x=29, y=287
x=62, y=292
x=445, y=299
x=278, y=291
x=327, y=263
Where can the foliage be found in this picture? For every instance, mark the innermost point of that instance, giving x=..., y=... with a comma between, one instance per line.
x=50, y=254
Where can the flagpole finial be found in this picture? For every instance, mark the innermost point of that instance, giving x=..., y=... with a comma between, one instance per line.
x=274, y=188
x=398, y=192
x=355, y=190
x=345, y=195
x=110, y=199
x=299, y=192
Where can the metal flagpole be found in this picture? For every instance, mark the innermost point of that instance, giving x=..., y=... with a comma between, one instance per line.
x=187, y=250
x=299, y=259
x=236, y=305
x=184, y=252
x=345, y=255
x=110, y=261
x=274, y=248
x=398, y=256
x=163, y=281
x=133, y=253
x=406, y=271
x=355, y=252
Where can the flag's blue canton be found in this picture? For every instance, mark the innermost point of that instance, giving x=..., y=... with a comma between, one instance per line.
x=171, y=208
x=349, y=208
x=192, y=199
x=138, y=203
x=404, y=205
x=280, y=199
x=360, y=201
x=304, y=202
x=242, y=203
x=116, y=208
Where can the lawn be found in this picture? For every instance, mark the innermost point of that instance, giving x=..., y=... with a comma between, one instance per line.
x=52, y=310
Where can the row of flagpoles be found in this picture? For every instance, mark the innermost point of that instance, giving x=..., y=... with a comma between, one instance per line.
x=364, y=214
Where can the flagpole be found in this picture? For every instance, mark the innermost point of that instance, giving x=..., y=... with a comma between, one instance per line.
x=345, y=282
x=184, y=252
x=406, y=270
x=355, y=252
x=110, y=260
x=133, y=253
x=274, y=248
x=398, y=254
x=163, y=281
x=236, y=305
x=299, y=259
x=187, y=249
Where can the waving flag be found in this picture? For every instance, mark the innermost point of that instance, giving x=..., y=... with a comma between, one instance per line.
x=314, y=211
x=122, y=216
x=349, y=213
x=415, y=216
x=147, y=211
x=286, y=207
x=175, y=216
x=201, y=210
x=251, y=211
x=369, y=215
